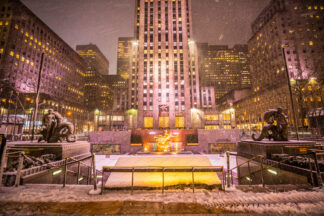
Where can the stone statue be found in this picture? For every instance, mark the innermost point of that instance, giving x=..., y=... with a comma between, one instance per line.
x=276, y=128
x=54, y=129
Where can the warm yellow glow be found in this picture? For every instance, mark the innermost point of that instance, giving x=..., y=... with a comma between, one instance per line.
x=226, y=117
x=163, y=142
x=163, y=122
x=211, y=127
x=179, y=122
x=148, y=122
x=154, y=179
x=211, y=117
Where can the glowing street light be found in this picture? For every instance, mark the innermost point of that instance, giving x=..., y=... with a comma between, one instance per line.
x=135, y=43
x=191, y=42
x=312, y=80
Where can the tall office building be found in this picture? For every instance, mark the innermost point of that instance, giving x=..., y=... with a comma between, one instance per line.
x=98, y=94
x=223, y=68
x=120, y=88
x=124, y=52
x=164, y=81
x=295, y=27
x=94, y=58
x=24, y=38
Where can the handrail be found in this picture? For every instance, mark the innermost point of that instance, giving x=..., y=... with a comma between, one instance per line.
x=261, y=156
x=22, y=149
x=309, y=155
x=80, y=160
x=75, y=160
x=16, y=152
x=105, y=167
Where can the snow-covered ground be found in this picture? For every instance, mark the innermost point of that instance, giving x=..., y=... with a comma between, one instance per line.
x=259, y=201
x=305, y=202
x=215, y=159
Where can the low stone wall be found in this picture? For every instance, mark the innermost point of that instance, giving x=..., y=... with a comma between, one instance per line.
x=267, y=148
x=121, y=138
x=61, y=150
x=206, y=137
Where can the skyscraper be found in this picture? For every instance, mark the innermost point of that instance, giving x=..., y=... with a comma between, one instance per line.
x=97, y=93
x=224, y=68
x=295, y=27
x=164, y=81
x=124, y=53
x=24, y=40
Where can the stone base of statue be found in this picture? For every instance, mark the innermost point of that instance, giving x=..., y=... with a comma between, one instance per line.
x=61, y=150
x=266, y=148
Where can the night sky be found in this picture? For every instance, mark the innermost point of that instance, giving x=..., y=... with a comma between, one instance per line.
x=101, y=22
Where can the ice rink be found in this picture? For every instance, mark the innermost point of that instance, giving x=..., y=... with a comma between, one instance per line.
x=155, y=179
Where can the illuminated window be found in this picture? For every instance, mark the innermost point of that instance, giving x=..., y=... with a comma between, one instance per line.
x=310, y=43
x=179, y=122
x=227, y=117
x=148, y=122
x=211, y=127
x=211, y=117
x=163, y=122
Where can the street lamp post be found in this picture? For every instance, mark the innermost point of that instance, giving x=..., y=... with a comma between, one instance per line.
x=16, y=106
x=11, y=93
x=37, y=96
x=290, y=94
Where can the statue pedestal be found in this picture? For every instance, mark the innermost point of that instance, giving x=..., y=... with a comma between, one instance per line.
x=267, y=148
x=61, y=150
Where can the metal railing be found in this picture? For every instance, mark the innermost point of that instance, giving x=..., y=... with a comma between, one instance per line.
x=92, y=168
x=19, y=153
x=276, y=164
x=229, y=172
x=163, y=170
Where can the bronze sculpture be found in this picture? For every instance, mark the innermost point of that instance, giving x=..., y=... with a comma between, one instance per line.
x=276, y=128
x=54, y=129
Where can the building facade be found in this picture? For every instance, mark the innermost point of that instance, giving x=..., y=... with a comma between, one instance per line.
x=207, y=97
x=124, y=53
x=30, y=52
x=285, y=33
x=223, y=68
x=98, y=94
x=120, y=88
x=164, y=84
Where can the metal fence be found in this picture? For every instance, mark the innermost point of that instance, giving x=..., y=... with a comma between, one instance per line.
x=163, y=170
